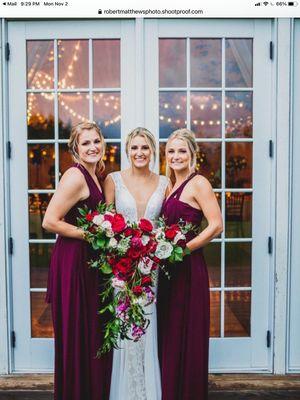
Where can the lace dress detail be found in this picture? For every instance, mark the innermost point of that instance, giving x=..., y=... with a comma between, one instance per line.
x=136, y=374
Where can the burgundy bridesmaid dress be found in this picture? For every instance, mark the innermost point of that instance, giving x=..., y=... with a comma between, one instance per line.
x=73, y=291
x=183, y=314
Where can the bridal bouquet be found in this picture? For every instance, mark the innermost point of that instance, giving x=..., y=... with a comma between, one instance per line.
x=126, y=255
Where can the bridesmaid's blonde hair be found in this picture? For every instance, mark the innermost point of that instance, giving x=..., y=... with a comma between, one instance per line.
x=74, y=138
x=147, y=135
x=189, y=138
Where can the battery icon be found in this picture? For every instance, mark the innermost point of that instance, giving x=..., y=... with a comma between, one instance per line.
x=292, y=3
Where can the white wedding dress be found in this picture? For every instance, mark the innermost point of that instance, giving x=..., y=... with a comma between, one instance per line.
x=135, y=372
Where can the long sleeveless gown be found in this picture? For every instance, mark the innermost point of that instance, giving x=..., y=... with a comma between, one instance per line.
x=183, y=314
x=73, y=291
x=136, y=373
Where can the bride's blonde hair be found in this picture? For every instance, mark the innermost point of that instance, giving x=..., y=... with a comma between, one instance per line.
x=74, y=138
x=189, y=138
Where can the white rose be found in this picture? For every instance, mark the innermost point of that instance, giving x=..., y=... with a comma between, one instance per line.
x=145, y=240
x=113, y=243
x=98, y=219
x=163, y=250
x=144, y=268
x=178, y=237
x=106, y=225
x=117, y=283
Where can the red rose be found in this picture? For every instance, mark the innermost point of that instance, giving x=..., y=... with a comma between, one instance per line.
x=128, y=232
x=118, y=223
x=108, y=217
x=181, y=243
x=89, y=217
x=137, y=233
x=137, y=290
x=133, y=253
x=145, y=225
x=123, y=265
x=171, y=233
x=111, y=261
x=146, y=281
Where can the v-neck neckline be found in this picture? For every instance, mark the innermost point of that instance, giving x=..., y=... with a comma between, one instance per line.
x=175, y=191
x=134, y=200
x=98, y=187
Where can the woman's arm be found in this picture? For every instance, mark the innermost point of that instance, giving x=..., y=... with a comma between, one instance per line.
x=205, y=197
x=71, y=189
x=109, y=190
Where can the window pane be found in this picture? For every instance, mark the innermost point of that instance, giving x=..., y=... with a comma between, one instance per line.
x=107, y=113
x=40, y=64
x=238, y=264
x=212, y=255
x=40, y=254
x=65, y=159
x=40, y=115
x=41, y=168
x=206, y=114
x=238, y=114
x=238, y=165
x=38, y=204
x=238, y=214
x=209, y=162
x=215, y=314
x=204, y=222
x=237, y=313
x=106, y=59
x=73, y=64
x=112, y=157
x=172, y=62
x=239, y=62
x=41, y=320
x=172, y=112
x=72, y=109
x=206, y=62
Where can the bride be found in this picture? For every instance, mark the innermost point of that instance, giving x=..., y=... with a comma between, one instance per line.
x=137, y=193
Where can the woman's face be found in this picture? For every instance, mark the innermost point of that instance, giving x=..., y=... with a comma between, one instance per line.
x=139, y=152
x=178, y=154
x=89, y=146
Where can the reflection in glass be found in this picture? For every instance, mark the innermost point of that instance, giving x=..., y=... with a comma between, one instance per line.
x=40, y=64
x=238, y=64
x=238, y=114
x=238, y=214
x=237, y=313
x=238, y=165
x=237, y=264
x=206, y=114
x=172, y=62
x=106, y=59
x=72, y=109
x=215, y=314
x=206, y=62
x=38, y=204
x=212, y=255
x=41, y=169
x=107, y=113
x=40, y=115
x=73, y=64
x=208, y=162
x=172, y=112
x=40, y=254
x=41, y=320
x=112, y=158
x=65, y=158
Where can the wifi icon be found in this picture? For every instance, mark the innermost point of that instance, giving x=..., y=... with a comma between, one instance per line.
x=265, y=3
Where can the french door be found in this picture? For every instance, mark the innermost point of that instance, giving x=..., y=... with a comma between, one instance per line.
x=213, y=76
x=60, y=73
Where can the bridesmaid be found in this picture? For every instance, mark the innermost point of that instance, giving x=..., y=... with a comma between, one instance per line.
x=73, y=288
x=183, y=301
